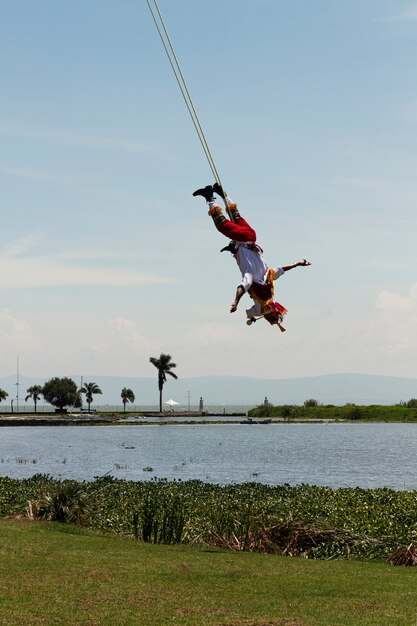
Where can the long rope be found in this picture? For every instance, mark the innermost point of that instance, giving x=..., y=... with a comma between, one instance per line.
x=176, y=68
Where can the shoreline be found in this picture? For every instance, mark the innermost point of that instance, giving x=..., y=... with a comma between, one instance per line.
x=275, y=415
x=307, y=414
x=67, y=419
x=103, y=420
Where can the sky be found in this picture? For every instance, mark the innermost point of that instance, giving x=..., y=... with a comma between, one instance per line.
x=106, y=258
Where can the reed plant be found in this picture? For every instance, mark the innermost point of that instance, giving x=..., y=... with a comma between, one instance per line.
x=315, y=522
x=162, y=515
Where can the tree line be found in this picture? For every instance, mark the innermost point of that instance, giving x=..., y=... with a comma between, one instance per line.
x=64, y=392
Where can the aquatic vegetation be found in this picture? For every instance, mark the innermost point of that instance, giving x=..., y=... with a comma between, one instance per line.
x=128, y=445
x=315, y=522
x=162, y=515
x=66, y=502
x=404, y=556
x=23, y=461
x=294, y=538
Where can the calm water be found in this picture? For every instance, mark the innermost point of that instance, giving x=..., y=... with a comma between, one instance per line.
x=366, y=455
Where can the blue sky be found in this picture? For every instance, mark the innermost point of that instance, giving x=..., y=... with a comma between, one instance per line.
x=310, y=109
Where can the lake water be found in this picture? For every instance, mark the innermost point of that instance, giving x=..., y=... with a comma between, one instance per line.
x=337, y=455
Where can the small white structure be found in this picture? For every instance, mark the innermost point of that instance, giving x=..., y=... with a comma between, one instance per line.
x=171, y=403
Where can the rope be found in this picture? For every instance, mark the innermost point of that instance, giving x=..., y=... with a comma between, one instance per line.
x=176, y=68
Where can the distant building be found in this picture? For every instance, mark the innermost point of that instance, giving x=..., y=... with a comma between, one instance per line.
x=201, y=405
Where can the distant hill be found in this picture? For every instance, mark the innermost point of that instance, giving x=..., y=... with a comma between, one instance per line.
x=237, y=390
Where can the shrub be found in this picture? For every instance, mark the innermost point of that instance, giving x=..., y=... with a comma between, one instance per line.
x=297, y=412
x=311, y=402
x=264, y=409
x=405, y=556
x=66, y=502
x=353, y=413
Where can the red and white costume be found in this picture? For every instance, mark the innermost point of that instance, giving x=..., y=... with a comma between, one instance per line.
x=257, y=278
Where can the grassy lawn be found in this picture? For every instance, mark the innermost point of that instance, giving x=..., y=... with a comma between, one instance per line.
x=58, y=574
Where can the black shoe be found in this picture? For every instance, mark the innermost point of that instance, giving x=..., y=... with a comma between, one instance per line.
x=206, y=192
x=230, y=248
x=219, y=190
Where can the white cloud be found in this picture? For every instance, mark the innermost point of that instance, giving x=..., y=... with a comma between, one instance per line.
x=15, y=335
x=125, y=346
x=123, y=343
x=19, y=270
x=22, y=245
x=210, y=335
x=42, y=133
x=395, y=329
x=126, y=333
x=33, y=272
x=408, y=15
x=36, y=175
x=393, y=303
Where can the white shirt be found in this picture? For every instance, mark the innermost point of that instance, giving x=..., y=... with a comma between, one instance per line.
x=252, y=266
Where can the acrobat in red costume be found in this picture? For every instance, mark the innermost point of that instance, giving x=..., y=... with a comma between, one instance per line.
x=257, y=278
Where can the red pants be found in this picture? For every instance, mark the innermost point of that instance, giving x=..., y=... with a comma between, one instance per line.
x=238, y=231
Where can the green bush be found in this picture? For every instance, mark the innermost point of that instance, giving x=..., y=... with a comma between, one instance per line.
x=311, y=402
x=264, y=409
x=67, y=502
x=353, y=413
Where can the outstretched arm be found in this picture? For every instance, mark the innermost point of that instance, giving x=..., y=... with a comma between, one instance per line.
x=239, y=293
x=245, y=285
x=303, y=263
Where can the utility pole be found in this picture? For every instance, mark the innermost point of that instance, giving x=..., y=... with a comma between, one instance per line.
x=17, y=386
x=81, y=395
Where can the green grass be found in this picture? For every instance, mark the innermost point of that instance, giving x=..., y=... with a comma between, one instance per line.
x=373, y=413
x=56, y=574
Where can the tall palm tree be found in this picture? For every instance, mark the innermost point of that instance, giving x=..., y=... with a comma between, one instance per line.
x=3, y=394
x=127, y=395
x=90, y=389
x=164, y=366
x=35, y=393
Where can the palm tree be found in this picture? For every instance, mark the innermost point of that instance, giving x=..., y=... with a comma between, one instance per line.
x=3, y=394
x=90, y=389
x=164, y=367
x=35, y=393
x=127, y=395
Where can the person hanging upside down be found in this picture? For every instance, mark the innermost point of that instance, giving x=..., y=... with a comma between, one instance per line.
x=257, y=278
